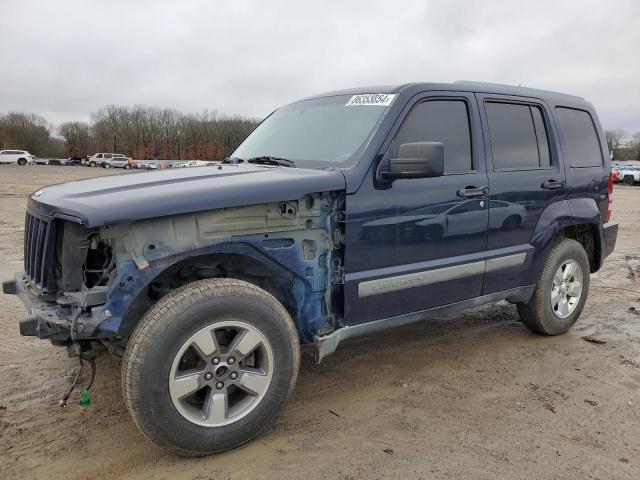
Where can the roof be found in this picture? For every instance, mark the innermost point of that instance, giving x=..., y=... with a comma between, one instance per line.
x=460, y=86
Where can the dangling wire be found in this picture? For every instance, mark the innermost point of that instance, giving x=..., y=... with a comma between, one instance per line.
x=81, y=358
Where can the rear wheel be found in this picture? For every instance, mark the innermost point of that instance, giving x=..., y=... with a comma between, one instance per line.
x=209, y=365
x=628, y=180
x=561, y=291
x=22, y=161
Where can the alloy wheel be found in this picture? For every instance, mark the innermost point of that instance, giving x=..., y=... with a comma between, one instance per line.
x=221, y=373
x=567, y=288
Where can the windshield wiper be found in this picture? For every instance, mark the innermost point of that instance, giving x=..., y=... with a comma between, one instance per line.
x=269, y=160
x=263, y=160
x=232, y=160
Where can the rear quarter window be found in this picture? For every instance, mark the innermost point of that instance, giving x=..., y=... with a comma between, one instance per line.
x=579, y=138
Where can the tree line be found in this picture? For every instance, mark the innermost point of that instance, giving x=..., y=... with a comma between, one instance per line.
x=146, y=133
x=623, y=146
x=140, y=132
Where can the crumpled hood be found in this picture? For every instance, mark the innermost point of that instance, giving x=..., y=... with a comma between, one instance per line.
x=127, y=197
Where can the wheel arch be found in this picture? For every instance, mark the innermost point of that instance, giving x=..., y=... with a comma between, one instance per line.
x=134, y=291
x=576, y=218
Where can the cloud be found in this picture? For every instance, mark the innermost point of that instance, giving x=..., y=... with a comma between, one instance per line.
x=66, y=59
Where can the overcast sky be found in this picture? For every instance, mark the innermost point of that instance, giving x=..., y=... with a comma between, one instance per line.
x=64, y=59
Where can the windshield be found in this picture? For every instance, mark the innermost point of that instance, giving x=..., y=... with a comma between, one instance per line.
x=320, y=132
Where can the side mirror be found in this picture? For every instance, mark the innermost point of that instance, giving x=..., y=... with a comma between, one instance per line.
x=415, y=160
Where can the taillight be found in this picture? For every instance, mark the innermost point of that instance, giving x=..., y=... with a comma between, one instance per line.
x=607, y=214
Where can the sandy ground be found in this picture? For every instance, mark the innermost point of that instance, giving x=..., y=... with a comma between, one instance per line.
x=472, y=396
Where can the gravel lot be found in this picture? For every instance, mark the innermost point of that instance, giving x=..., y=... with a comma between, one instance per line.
x=471, y=396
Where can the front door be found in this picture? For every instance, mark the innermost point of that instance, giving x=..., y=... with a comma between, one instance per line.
x=420, y=243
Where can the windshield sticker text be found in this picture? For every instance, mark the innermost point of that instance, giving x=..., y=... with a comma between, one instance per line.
x=378, y=99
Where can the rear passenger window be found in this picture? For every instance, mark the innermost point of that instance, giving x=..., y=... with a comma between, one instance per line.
x=580, y=144
x=518, y=136
x=444, y=121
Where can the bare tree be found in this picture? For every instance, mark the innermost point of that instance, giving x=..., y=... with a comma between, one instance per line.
x=614, y=140
x=634, y=144
x=26, y=131
x=140, y=132
x=77, y=138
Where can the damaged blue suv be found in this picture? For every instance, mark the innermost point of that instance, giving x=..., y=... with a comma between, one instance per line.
x=340, y=215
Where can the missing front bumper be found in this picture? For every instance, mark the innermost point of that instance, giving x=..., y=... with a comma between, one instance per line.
x=46, y=319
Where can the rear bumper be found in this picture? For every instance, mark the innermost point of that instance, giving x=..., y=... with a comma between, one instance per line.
x=609, y=237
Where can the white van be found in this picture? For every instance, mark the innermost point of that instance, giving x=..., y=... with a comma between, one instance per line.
x=21, y=157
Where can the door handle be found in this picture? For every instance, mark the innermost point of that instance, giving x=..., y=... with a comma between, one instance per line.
x=552, y=184
x=469, y=192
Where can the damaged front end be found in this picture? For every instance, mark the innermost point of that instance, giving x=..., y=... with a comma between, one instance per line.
x=85, y=284
x=66, y=272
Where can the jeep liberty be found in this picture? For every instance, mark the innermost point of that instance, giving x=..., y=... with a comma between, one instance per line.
x=340, y=215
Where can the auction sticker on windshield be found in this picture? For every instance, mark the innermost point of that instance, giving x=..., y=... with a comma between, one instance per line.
x=379, y=99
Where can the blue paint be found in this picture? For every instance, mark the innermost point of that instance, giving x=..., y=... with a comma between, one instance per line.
x=390, y=228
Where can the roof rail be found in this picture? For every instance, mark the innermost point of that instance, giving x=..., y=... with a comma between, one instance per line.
x=489, y=85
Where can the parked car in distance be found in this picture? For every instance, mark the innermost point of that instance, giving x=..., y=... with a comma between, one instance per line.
x=21, y=157
x=210, y=280
x=59, y=162
x=145, y=164
x=117, y=161
x=73, y=162
x=194, y=163
x=97, y=159
x=629, y=175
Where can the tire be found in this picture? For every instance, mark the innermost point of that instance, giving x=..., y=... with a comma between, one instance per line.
x=541, y=315
x=628, y=180
x=106, y=165
x=92, y=164
x=512, y=222
x=127, y=167
x=22, y=162
x=163, y=346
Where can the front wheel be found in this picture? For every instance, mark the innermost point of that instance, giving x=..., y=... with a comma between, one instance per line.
x=628, y=180
x=209, y=365
x=561, y=291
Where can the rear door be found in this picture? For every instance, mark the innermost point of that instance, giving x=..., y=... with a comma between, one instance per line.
x=525, y=176
x=420, y=243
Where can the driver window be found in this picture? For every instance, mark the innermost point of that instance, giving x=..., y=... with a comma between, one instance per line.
x=444, y=121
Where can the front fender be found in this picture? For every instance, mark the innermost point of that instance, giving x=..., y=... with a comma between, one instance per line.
x=123, y=309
